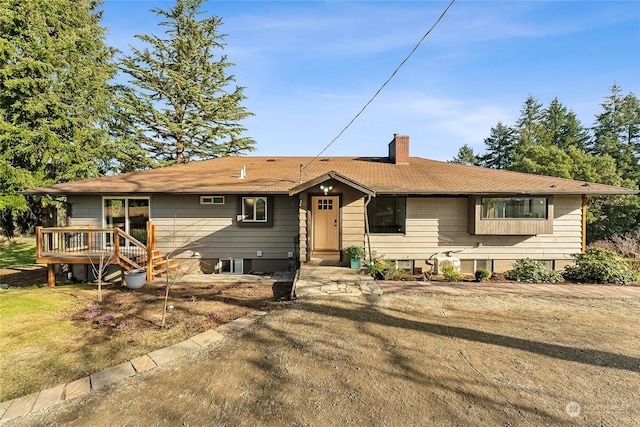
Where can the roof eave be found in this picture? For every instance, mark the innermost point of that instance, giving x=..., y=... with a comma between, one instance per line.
x=335, y=176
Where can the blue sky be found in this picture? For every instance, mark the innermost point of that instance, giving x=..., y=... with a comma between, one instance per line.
x=310, y=66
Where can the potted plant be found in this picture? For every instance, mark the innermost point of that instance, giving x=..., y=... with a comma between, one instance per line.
x=356, y=255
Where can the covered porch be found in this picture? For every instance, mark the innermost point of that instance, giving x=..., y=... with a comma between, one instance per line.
x=332, y=216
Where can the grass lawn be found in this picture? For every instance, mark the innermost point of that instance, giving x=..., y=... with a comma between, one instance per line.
x=18, y=254
x=48, y=336
x=51, y=336
x=35, y=340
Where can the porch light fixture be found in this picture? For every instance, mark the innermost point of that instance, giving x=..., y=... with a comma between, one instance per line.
x=326, y=189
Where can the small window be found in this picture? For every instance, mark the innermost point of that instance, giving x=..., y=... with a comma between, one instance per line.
x=483, y=264
x=547, y=263
x=231, y=266
x=387, y=214
x=254, y=209
x=325, y=204
x=212, y=200
x=405, y=265
x=514, y=208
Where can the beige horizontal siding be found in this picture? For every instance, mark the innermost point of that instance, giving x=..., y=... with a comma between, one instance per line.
x=352, y=218
x=441, y=224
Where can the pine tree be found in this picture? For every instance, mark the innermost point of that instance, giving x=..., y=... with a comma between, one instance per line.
x=500, y=147
x=528, y=125
x=465, y=156
x=560, y=127
x=54, y=69
x=183, y=103
x=617, y=132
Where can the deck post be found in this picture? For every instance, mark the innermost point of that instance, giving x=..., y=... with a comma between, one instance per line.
x=38, y=242
x=89, y=239
x=116, y=245
x=151, y=236
x=51, y=275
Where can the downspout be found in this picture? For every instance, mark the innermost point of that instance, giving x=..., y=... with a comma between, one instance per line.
x=366, y=227
x=584, y=223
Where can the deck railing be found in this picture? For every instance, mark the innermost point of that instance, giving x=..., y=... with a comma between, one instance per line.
x=84, y=245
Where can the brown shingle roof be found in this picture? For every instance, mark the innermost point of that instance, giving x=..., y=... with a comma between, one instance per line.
x=273, y=175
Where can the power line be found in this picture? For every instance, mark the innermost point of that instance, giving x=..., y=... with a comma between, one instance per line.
x=384, y=84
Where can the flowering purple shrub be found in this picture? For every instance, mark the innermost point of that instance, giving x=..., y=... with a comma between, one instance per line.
x=106, y=318
x=124, y=324
x=90, y=315
x=92, y=312
x=213, y=315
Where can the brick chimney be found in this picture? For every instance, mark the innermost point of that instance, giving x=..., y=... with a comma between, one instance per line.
x=399, y=149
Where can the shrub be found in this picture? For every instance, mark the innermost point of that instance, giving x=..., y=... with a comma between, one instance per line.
x=482, y=275
x=532, y=271
x=384, y=269
x=355, y=252
x=627, y=244
x=451, y=273
x=106, y=318
x=599, y=265
x=378, y=269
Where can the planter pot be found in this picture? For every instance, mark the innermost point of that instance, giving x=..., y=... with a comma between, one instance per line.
x=135, y=279
x=356, y=263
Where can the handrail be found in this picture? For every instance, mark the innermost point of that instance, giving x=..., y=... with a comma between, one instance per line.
x=130, y=238
x=75, y=244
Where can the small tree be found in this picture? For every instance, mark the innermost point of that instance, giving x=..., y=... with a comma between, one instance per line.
x=181, y=271
x=100, y=268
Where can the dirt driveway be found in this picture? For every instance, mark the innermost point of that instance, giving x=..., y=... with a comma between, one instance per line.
x=395, y=360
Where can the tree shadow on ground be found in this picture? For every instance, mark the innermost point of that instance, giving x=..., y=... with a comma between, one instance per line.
x=574, y=354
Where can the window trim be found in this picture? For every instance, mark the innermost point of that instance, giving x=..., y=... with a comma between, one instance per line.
x=255, y=209
x=232, y=264
x=213, y=201
x=518, y=218
x=126, y=199
x=509, y=226
x=269, y=212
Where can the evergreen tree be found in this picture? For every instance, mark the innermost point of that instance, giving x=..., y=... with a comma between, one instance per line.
x=500, y=147
x=617, y=132
x=528, y=125
x=54, y=69
x=560, y=127
x=183, y=104
x=465, y=156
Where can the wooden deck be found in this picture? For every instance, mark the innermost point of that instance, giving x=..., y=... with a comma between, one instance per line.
x=86, y=245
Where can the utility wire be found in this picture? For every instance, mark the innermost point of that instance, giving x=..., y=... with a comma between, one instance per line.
x=383, y=85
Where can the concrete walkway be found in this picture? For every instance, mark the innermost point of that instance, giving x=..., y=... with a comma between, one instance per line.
x=315, y=280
